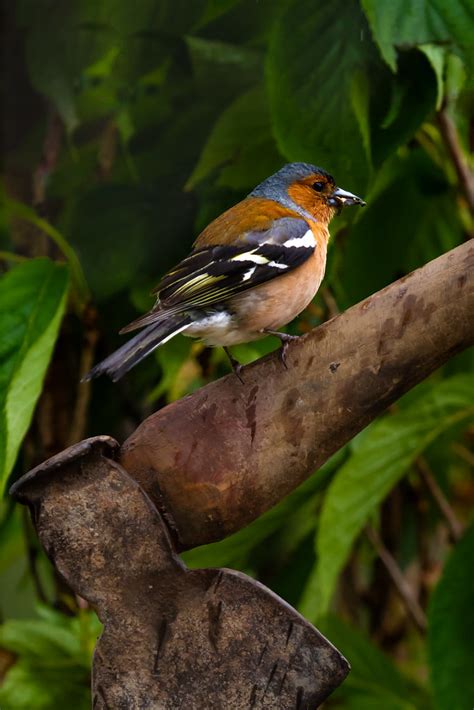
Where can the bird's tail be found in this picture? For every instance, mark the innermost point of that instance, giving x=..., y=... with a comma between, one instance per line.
x=138, y=347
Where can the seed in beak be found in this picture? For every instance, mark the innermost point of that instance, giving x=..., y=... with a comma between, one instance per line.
x=345, y=198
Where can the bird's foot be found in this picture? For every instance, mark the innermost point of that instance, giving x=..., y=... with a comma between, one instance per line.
x=237, y=367
x=285, y=340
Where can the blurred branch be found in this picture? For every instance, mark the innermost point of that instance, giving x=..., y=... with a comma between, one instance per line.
x=455, y=527
x=7, y=660
x=10, y=256
x=32, y=554
x=464, y=453
x=403, y=588
x=329, y=301
x=108, y=149
x=91, y=336
x=51, y=148
x=451, y=139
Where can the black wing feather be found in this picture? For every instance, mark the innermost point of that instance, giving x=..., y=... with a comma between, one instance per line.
x=210, y=275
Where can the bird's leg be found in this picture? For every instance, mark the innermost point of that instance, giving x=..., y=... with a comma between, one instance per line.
x=236, y=366
x=284, y=339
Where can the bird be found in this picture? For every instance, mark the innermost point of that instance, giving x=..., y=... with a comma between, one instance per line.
x=251, y=271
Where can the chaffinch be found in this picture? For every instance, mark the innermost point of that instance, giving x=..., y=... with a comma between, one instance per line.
x=251, y=271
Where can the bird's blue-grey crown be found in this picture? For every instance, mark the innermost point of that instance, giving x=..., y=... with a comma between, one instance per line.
x=276, y=186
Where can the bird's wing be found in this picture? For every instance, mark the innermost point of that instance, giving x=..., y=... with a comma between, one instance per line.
x=210, y=275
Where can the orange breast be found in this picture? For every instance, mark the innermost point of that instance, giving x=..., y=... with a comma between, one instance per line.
x=277, y=302
x=270, y=305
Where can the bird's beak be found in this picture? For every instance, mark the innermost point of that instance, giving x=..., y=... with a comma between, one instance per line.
x=343, y=198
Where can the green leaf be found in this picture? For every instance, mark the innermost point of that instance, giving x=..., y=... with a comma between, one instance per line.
x=240, y=145
x=243, y=22
x=61, y=40
x=374, y=681
x=401, y=103
x=386, y=453
x=54, y=658
x=26, y=687
x=13, y=543
x=458, y=18
x=222, y=70
x=171, y=358
x=360, y=95
x=315, y=52
x=40, y=639
x=436, y=56
x=17, y=596
x=402, y=24
x=451, y=629
x=18, y=209
x=455, y=78
x=110, y=231
x=386, y=241
x=32, y=301
x=215, y=8
x=53, y=636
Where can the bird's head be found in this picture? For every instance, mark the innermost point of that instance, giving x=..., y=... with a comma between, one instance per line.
x=307, y=189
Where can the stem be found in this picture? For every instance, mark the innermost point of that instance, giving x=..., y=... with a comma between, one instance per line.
x=108, y=149
x=79, y=418
x=451, y=138
x=32, y=554
x=330, y=301
x=49, y=159
x=455, y=527
x=25, y=212
x=10, y=256
x=464, y=453
x=403, y=588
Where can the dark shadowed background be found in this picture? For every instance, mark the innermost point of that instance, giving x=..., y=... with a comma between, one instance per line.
x=126, y=128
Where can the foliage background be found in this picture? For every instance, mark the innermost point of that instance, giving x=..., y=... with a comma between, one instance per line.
x=126, y=128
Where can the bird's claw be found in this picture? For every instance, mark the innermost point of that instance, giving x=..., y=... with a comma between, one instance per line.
x=235, y=364
x=282, y=354
x=285, y=340
x=237, y=370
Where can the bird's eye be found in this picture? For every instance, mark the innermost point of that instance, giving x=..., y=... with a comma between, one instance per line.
x=318, y=186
